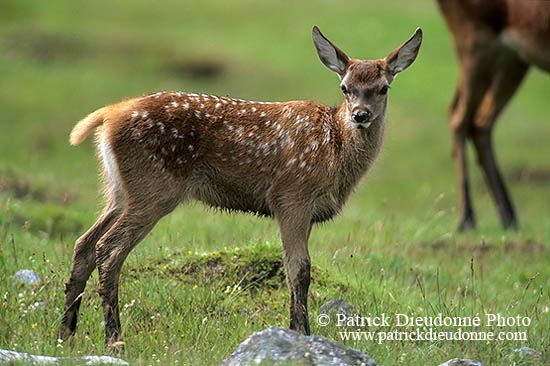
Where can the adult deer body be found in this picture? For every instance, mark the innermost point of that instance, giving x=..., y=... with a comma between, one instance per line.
x=295, y=161
x=496, y=41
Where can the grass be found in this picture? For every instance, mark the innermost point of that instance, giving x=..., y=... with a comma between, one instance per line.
x=393, y=250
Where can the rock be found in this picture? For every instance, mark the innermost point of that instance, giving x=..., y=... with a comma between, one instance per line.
x=284, y=346
x=524, y=355
x=27, y=276
x=329, y=312
x=461, y=362
x=12, y=357
x=337, y=306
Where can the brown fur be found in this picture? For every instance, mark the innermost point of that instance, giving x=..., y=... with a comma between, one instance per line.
x=496, y=42
x=295, y=161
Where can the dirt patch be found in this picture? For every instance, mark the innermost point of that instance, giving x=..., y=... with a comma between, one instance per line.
x=527, y=246
x=530, y=175
x=23, y=188
x=48, y=47
x=43, y=47
x=196, y=69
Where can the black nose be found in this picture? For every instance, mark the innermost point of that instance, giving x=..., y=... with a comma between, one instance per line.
x=361, y=117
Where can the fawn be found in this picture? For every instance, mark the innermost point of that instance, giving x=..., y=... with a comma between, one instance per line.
x=295, y=161
x=495, y=41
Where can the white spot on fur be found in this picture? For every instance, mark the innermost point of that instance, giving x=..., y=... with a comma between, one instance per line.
x=218, y=105
x=327, y=137
x=253, y=109
x=262, y=114
x=175, y=104
x=186, y=106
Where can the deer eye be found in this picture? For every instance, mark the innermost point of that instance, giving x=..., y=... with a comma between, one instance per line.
x=384, y=89
x=344, y=89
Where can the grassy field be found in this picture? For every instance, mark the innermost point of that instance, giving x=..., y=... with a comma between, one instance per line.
x=394, y=249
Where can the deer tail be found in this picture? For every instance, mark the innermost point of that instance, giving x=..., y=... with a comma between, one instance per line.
x=85, y=126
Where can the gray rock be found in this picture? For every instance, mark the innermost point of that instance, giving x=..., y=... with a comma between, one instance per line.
x=337, y=306
x=524, y=355
x=461, y=362
x=281, y=346
x=27, y=276
x=11, y=357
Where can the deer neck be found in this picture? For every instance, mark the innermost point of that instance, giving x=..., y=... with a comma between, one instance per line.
x=360, y=149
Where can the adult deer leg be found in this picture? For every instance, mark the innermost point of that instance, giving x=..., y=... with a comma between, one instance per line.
x=295, y=227
x=474, y=79
x=510, y=73
x=83, y=266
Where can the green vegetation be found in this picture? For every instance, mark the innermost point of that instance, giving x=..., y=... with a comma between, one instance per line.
x=394, y=249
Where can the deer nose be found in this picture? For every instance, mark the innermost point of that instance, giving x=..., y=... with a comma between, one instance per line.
x=360, y=117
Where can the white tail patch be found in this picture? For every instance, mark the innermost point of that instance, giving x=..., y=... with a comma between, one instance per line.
x=110, y=166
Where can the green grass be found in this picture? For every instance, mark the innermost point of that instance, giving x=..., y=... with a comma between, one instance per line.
x=394, y=249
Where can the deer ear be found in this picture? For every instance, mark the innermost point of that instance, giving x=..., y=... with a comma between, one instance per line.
x=333, y=57
x=404, y=55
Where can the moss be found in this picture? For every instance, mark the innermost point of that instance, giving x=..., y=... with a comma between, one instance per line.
x=253, y=267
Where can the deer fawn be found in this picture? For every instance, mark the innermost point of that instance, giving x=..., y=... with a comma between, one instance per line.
x=495, y=41
x=295, y=161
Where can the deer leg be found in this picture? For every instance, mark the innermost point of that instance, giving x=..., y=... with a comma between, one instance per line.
x=509, y=76
x=83, y=266
x=295, y=228
x=474, y=79
x=111, y=251
x=466, y=212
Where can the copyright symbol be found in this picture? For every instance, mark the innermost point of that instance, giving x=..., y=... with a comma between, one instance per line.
x=323, y=320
